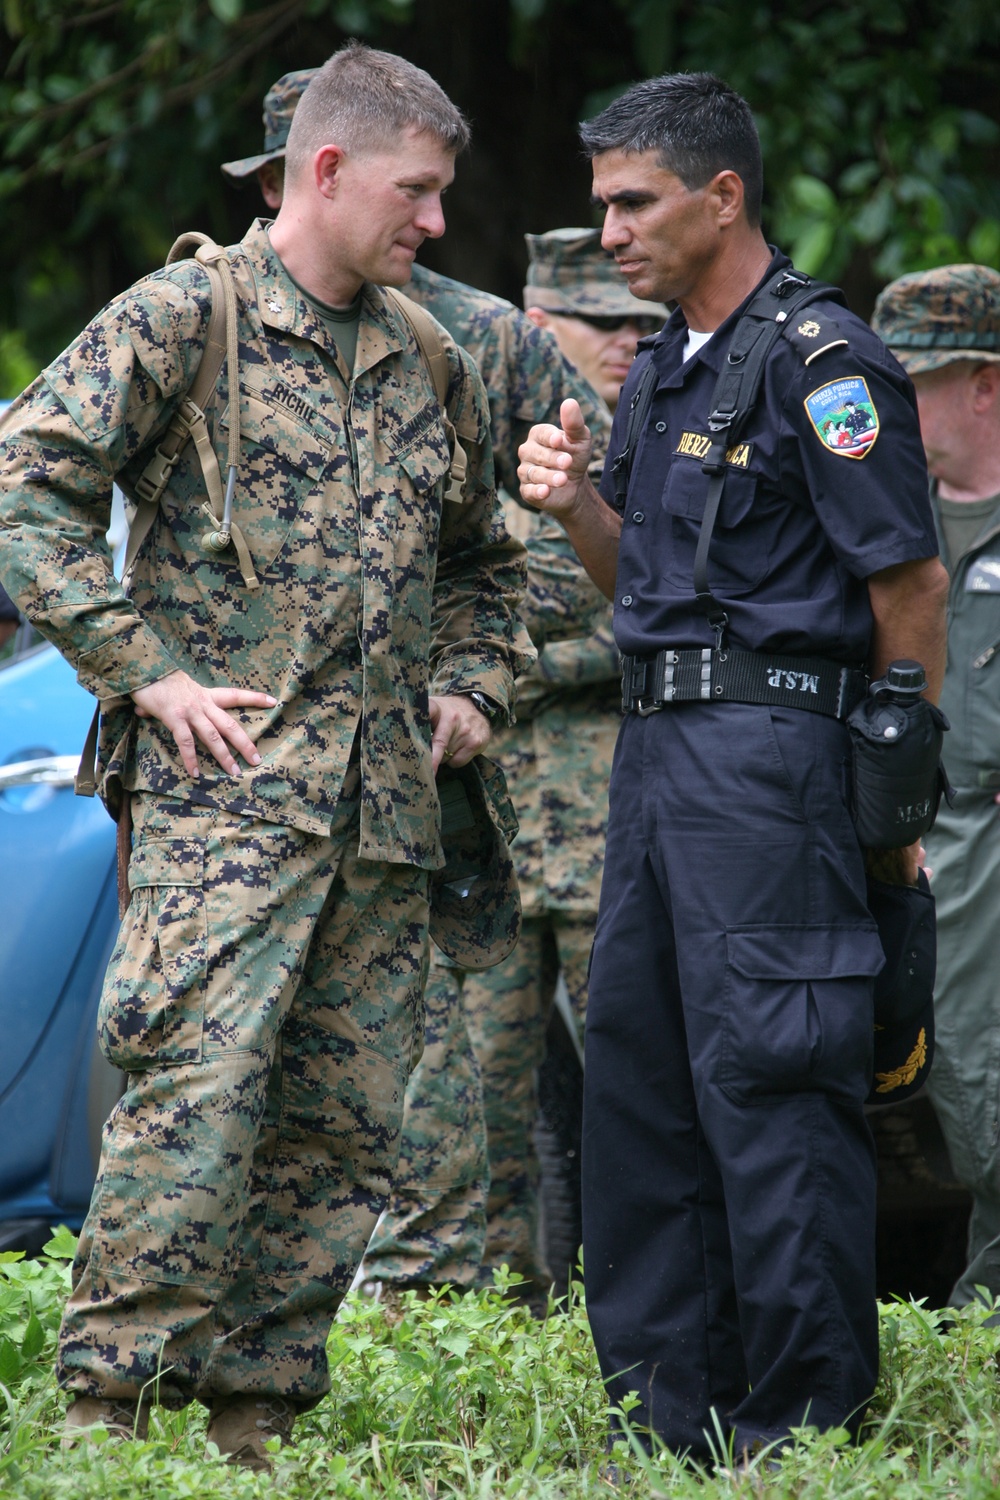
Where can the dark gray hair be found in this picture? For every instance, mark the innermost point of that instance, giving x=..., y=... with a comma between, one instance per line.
x=697, y=124
x=361, y=99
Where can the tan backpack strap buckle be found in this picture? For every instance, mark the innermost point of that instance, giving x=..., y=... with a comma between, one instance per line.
x=155, y=477
x=459, y=470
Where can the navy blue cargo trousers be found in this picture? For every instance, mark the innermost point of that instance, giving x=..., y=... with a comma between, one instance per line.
x=728, y=1170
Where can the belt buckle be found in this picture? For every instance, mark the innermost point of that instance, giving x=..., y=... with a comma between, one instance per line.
x=644, y=709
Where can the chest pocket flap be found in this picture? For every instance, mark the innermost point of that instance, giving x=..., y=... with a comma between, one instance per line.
x=420, y=448
x=282, y=461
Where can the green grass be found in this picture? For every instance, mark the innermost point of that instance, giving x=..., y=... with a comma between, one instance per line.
x=471, y=1396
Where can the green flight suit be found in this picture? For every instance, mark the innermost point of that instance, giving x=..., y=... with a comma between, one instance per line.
x=963, y=851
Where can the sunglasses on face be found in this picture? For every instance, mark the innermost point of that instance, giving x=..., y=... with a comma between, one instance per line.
x=642, y=323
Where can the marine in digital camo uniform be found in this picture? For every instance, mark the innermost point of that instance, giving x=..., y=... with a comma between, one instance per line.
x=264, y=997
x=434, y=1229
x=728, y=1168
x=557, y=759
x=944, y=328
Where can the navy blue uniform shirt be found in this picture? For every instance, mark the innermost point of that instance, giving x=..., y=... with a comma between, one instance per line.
x=830, y=488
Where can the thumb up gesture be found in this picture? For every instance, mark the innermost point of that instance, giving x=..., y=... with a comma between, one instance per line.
x=553, y=461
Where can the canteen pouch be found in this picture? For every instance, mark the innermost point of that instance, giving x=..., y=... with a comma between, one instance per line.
x=897, y=774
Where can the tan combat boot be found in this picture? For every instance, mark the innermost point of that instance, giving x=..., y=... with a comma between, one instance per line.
x=121, y=1419
x=239, y=1426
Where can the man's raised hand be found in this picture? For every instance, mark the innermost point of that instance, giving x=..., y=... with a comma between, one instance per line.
x=553, y=461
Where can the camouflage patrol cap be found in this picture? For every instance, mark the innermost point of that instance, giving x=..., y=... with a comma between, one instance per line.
x=569, y=272
x=929, y=319
x=279, y=107
x=904, y=989
x=475, y=902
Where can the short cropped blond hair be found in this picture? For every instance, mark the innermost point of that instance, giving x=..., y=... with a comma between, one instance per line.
x=362, y=99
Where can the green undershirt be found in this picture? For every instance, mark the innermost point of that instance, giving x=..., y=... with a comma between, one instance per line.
x=341, y=323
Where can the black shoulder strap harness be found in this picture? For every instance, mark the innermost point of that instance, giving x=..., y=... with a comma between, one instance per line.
x=770, y=313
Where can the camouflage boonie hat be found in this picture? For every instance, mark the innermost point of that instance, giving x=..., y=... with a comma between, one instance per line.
x=569, y=272
x=904, y=989
x=279, y=107
x=929, y=319
x=475, y=902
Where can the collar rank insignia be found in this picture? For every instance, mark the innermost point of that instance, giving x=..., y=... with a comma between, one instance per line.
x=274, y=306
x=843, y=417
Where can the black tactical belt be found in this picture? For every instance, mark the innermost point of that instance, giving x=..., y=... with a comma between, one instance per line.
x=671, y=676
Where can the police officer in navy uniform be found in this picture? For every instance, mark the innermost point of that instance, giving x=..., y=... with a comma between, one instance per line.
x=729, y=1174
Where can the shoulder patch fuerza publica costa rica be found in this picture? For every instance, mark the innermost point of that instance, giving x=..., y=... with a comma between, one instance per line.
x=843, y=416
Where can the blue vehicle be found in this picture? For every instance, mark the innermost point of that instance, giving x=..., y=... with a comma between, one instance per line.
x=60, y=919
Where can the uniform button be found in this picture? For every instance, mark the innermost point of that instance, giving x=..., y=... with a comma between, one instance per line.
x=626, y=600
x=661, y=426
x=638, y=517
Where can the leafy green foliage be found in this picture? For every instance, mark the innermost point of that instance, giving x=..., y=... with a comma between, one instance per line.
x=17, y=368
x=880, y=125
x=471, y=1396
x=32, y=1293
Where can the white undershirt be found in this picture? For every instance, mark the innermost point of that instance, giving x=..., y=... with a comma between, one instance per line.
x=694, y=342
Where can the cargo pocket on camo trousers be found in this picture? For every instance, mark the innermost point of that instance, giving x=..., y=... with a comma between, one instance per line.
x=152, y=1007
x=798, y=1011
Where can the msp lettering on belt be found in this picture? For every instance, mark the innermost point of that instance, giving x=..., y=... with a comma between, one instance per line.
x=803, y=682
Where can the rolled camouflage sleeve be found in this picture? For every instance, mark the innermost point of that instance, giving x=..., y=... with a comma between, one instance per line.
x=61, y=444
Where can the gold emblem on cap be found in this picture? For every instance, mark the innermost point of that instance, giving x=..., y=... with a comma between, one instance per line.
x=808, y=329
x=900, y=1077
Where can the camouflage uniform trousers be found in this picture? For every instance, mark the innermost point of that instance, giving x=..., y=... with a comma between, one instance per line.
x=433, y=1234
x=264, y=1001
x=434, y=1227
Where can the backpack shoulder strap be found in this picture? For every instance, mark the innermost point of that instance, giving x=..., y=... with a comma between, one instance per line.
x=155, y=477
x=425, y=331
x=770, y=313
x=435, y=357
x=638, y=412
x=767, y=316
x=188, y=422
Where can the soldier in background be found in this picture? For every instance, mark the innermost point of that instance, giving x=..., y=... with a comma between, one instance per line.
x=268, y=166
x=575, y=291
x=944, y=328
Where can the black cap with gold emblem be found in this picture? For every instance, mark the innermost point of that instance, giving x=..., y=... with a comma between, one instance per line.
x=904, y=990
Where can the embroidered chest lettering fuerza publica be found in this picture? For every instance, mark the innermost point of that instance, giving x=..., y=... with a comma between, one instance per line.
x=697, y=444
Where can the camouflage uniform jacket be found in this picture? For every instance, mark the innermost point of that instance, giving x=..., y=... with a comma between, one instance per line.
x=366, y=573
x=557, y=757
